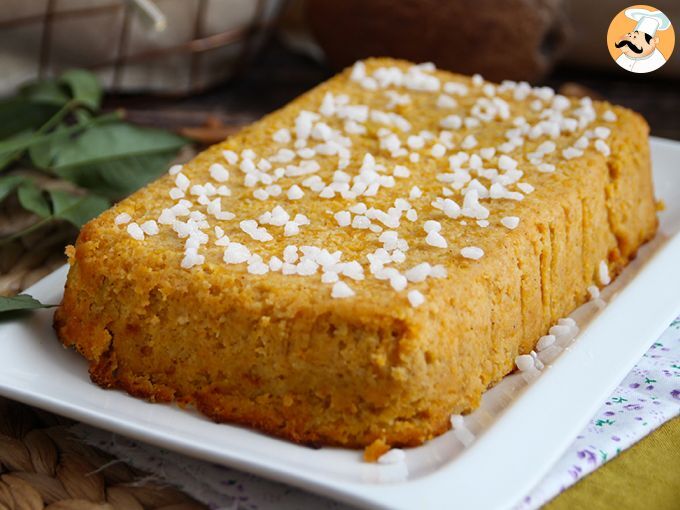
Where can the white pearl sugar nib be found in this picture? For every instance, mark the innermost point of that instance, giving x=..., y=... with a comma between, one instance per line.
x=122, y=219
x=341, y=290
x=460, y=430
x=472, y=252
x=135, y=231
x=393, y=456
x=524, y=362
x=435, y=239
x=510, y=222
x=603, y=273
x=415, y=298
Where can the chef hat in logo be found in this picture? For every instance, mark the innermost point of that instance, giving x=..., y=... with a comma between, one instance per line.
x=648, y=22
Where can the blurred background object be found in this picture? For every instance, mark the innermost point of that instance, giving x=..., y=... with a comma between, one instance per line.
x=512, y=39
x=165, y=46
x=509, y=39
x=180, y=47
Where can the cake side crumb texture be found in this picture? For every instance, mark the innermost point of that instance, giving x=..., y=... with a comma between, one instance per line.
x=366, y=261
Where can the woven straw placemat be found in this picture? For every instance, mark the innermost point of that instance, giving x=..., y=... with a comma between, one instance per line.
x=42, y=465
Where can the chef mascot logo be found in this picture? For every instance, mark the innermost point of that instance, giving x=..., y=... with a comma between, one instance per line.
x=640, y=39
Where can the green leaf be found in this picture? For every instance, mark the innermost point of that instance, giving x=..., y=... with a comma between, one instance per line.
x=20, y=142
x=117, y=140
x=8, y=157
x=114, y=160
x=20, y=302
x=32, y=199
x=84, y=87
x=43, y=153
x=20, y=114
x=76, y=209
x=118, y=178
x=82, y=115
x=17, y=145
x=9, y=184
x=46, y=92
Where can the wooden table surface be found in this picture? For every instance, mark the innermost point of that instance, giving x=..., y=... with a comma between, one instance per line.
x=279, y=75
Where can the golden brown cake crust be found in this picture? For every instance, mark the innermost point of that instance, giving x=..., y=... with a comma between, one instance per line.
x=279, y=354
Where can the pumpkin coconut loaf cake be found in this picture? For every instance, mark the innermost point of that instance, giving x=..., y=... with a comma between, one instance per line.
x=363, y=263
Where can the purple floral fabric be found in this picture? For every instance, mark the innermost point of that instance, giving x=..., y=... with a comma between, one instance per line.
x=647, y=397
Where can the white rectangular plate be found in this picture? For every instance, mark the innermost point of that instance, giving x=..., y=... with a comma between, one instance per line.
x=520, y=429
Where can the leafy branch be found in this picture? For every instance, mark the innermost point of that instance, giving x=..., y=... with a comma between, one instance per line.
x=65, y=160
x=56, y=127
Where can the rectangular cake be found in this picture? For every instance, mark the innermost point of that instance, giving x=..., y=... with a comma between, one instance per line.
x=363, y=263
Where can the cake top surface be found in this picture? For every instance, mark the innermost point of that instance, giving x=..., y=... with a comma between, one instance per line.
x=383, y=178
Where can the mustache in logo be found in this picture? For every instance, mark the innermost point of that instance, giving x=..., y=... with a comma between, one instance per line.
x=626, y=42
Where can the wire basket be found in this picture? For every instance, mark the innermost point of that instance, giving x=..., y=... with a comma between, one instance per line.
x=161, y=46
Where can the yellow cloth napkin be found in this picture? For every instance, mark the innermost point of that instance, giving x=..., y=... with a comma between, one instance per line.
x=645, y=476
